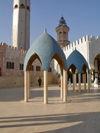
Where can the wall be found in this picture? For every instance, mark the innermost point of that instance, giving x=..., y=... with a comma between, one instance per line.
x=13, y=82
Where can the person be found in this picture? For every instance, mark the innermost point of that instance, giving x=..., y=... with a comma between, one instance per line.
x=96, y=82
x=59, y=82
x=39, y=81
x=69, y=82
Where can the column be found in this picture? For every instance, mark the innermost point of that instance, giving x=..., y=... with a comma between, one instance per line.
x=88, y=82
x=25, y=86
x=84, y=81
x=74, y=81
x=28, y=75
x=65, y=85
x=79, y=81
x=96, y=68
x=61, y=92
x=45, y=87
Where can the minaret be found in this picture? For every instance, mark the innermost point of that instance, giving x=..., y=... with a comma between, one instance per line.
x=62, y=33
x=21, y=24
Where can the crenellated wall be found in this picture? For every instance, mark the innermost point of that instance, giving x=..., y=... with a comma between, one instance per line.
x=89, y=47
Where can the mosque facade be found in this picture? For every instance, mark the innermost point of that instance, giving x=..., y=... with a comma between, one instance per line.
x=12, y=57
x=89, y=48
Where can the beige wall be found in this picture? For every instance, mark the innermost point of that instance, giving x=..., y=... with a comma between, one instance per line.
x=12, y=82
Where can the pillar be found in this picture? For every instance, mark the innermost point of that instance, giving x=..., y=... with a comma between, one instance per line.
x=96, y=68
x=45, y=87
x=88, y=82
x=65, y=85
x=26, y=86
x=61, y=92
x=28, y=75
x=74, y=81
x=79, y=81
x=84, y=81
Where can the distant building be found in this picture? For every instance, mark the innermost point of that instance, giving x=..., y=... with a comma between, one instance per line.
x=21, y=24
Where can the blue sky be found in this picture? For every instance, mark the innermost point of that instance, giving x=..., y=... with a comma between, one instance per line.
x=82, y=16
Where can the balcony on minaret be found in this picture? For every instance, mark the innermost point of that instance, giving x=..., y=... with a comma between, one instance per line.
x=62, y=33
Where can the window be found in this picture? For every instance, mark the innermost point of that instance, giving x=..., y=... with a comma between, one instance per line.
x=21, y=66
x=28, y=8
x=64, y=32
x=16, y=6
x=7, y=65
x=38, y=68
x=10, y=65
x=22, y=6
x=50, y=69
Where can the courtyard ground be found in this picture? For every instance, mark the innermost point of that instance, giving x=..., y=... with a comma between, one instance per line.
x=80, y=114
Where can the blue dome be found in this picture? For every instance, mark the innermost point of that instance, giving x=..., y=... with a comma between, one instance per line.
x=45, y=47
x=77, y=60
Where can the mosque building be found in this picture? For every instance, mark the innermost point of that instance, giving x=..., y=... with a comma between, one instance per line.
x=12, y=57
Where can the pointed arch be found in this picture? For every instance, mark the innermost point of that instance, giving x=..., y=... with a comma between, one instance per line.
x=16, y=6
x=28, y=8
x=84, y=68
x=31, y=60
x=22, y=6
x=73, y=68
x=60, y=61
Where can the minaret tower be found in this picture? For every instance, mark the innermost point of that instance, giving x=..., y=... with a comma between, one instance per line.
x=21, y=24
x=62, y=33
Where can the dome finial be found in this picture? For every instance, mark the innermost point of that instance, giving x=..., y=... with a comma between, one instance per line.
x=45, y=30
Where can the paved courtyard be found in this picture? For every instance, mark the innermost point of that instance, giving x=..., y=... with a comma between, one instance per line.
x=81, y=113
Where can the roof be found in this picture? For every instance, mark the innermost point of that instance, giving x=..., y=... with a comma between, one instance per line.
x=45, y=47
x=77, y=59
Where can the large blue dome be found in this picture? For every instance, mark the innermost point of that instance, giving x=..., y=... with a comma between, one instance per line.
x=45, y=47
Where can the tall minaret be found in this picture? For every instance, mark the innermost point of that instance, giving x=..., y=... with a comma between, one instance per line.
x=62, y=33
x=21, y=24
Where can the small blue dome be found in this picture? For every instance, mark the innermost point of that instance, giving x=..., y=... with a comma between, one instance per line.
x=45, y=47
x=62, y=17
x=77, y=59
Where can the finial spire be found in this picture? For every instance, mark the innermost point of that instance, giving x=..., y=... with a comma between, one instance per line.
x=45, y=30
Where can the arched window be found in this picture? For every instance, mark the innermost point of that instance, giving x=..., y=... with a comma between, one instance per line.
x=16, y=6
x=0, y=71
x=22, y=6
x=64, y=32
x=28, y=8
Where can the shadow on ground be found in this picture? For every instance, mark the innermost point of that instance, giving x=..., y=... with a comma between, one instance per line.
x=79, y=122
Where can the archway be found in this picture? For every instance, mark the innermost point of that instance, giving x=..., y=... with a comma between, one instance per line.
x=77, y=61
x=96, y=72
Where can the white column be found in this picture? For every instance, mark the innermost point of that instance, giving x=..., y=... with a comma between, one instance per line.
x=73, y=81
x=25, y=86
x=28, y=75
x=45, y=87
x=79, y=81
x=84, y=81
x=61, y=93
x=88, y=82
x=65, y=85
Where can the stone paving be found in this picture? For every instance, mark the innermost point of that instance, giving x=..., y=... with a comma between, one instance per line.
x=81, y=113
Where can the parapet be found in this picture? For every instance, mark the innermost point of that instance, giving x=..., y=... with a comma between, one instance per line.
x=85, y=39
x=4, y=45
